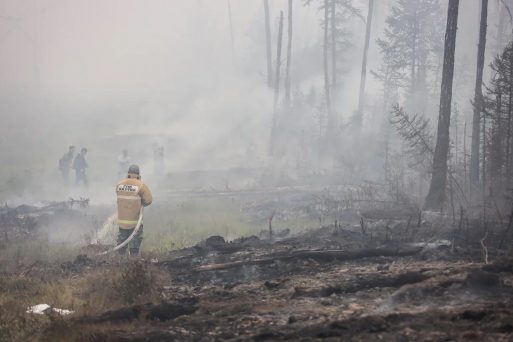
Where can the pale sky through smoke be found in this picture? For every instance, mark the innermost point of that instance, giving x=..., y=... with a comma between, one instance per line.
x=161, y=69
x=125, y=47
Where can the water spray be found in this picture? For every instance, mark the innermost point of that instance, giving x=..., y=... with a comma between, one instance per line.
x=124, y=243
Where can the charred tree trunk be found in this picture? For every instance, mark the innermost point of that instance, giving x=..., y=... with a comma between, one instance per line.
x=500, y=28
x=436, y=195
x=231, y=30
x=508, y=133
x=478, y=97
x=317, y=255
x=496, y=157
x=413, y=81
x=325, y=65
x=276, y=85
x=268, y=44
x=483, y=163
x=333, y=24
x=361, y=97
x=289, y=56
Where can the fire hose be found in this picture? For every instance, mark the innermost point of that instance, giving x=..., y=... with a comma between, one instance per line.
x=134, y=233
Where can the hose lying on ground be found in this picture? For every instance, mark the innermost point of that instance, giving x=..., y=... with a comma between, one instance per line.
x=124, y=243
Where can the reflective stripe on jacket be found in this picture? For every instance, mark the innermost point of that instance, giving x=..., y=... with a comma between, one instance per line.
x=132, y=194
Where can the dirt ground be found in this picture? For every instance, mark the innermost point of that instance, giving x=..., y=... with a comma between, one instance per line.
x=399, y=279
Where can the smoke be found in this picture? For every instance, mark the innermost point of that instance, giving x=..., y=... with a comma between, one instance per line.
x=114, y=75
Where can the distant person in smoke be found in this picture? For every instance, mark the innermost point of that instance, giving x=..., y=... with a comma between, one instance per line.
x=132, y=194
x=65, y=163
x=80, y=166
x=158, y=159
x=123, y=163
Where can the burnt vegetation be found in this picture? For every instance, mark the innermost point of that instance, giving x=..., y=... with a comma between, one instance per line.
x=392, y=221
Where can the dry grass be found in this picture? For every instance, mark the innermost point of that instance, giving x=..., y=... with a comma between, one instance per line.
x=174, y=225
x=31, y=273
x=89, y=293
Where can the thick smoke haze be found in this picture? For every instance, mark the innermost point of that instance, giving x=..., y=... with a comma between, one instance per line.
x=109, y=75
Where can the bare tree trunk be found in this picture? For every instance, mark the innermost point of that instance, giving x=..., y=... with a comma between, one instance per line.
x=35, y=44
x=333, y=24
x=361, y=97
x=436, y=195
x=508, y=134
x=289, y=56
x=478, y=97
x=325, y=64
x=268, y=44
x=500, y=139
x=465, y=177
x=231, y=30
x=500, y=28
x=483, y=162
x=496, y=164
x=413, y=84
x=276, y=85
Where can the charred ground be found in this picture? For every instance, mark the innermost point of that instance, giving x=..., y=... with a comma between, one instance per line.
x=377, y=272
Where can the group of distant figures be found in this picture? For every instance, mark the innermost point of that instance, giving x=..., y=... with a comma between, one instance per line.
x=70, y=161
x=76, y=162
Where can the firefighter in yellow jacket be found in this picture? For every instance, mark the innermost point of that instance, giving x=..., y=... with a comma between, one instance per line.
x=132, y=195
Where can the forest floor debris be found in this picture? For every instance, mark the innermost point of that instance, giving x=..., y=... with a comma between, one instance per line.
x=392, y=280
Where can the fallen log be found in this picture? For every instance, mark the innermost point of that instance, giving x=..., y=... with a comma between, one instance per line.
x=500, y=265
x=340, y=255
x=317, y=255
x=149, y=311
x=374, y=281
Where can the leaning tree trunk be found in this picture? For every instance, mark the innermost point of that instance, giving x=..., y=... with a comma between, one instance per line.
x=289, y=56
x=478, y=98
x=436, y=195
x=268, y=44
x=361, y=97
x=326, y=71
x=276, y=85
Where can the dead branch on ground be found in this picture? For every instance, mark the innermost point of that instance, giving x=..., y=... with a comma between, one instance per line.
x=376, y=280
x=317, y=255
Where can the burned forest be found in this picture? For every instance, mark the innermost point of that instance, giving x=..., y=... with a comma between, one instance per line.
x=257, y=170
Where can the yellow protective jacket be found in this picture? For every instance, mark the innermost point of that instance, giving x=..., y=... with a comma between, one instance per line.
x=132, y=194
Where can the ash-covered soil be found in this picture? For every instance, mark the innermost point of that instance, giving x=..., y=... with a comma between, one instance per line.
x=398, y=278
x=332, y=283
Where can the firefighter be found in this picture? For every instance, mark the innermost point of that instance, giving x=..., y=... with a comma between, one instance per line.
x=80, y=166
x=123, y=163
x=65, y=163
x=132, y=194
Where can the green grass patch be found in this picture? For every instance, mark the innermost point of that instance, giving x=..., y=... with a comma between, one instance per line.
x=169, y=226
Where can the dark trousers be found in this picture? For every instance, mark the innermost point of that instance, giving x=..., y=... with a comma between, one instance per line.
x=134, y=244
x=81, y=177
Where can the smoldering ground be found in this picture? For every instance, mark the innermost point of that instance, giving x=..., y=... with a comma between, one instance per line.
x=274, y=216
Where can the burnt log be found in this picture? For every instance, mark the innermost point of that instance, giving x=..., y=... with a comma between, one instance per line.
x=394, y=281
x=149, y=311
x=317, y=255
